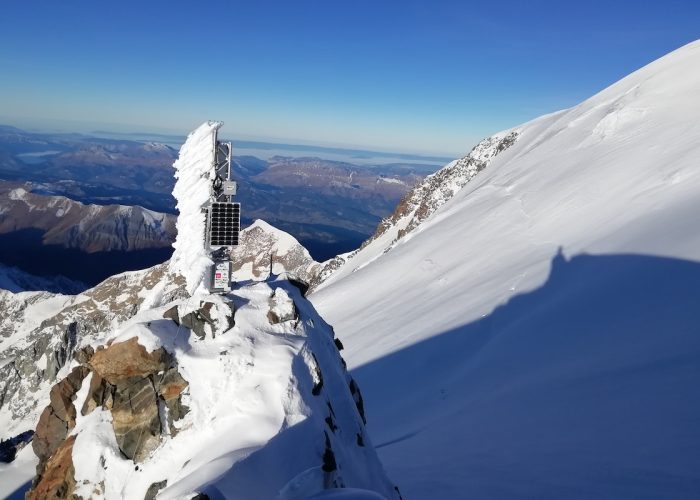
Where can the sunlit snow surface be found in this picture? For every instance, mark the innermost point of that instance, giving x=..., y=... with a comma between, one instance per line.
x=496, y=365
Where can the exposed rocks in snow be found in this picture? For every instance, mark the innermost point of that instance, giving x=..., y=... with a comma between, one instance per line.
x=153, y=490
x=211, y=318
x=58, y=418
x=282, y=307
x=139, y=388
x=150, y=409
x=40, y=333
x=58, y=475
x=437, y=189
x=133, y=383
x=265, y=251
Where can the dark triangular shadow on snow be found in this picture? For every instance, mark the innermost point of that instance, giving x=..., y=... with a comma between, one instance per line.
x=587, y=387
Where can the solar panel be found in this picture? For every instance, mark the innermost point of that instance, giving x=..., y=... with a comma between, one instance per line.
x=225, y=224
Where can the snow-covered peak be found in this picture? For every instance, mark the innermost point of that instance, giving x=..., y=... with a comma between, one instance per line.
x=193, y=171
x=265, y=250
x=256, y=405
x=283, y=240
x=17, y=194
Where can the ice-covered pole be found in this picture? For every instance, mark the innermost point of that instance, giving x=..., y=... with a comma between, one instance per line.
x=194, y=174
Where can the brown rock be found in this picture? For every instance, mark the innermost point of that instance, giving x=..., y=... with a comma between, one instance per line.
x=58, y=417
x=136, y=418
x=128, y=359
x=170, y=390
x=172, y=385
x=172, y=314
x=100, y=393
x=83, y=355
x=58, y=477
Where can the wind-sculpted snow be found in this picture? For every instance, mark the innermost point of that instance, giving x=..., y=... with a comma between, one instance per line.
x=535, y=337
x=193, y=171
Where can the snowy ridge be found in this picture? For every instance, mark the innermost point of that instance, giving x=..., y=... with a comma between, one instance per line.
x=193, y=170
x=163, y=389
x=534, y=336
x=258, y=419
x=418, y=205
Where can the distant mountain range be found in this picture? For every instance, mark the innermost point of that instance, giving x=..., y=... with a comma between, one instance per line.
x=47, y=235
x=330, y=206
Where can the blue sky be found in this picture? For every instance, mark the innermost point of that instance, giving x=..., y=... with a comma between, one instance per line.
x=428, y=76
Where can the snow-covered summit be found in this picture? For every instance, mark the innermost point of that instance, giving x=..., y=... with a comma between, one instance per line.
x=248, y=398
x=534, y=336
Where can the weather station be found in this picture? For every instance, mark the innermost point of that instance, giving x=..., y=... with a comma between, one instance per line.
x=223, y=216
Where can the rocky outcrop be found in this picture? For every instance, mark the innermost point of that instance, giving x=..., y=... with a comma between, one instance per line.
x=134, y=385
x=58, y=475
x=208, y=320
x=141, y=389
x=265, y=251
x=282, y=307
x=437, y=189
x=42, y=331
x=58, y=418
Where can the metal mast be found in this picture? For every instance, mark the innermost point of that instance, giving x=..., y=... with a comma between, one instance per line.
x=223, y=218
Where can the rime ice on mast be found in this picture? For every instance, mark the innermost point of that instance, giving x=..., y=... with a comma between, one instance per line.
x=208, y=223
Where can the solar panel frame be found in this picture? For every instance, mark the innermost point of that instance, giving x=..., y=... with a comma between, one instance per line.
x=224, y=224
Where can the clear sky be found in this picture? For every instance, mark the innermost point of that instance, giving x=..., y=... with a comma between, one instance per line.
x=410, y=76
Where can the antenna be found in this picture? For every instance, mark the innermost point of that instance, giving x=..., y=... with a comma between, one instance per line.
x=223, y=218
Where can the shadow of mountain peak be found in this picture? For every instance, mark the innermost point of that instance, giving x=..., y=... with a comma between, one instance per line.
x=584, y=387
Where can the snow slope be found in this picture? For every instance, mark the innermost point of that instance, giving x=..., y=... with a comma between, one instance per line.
x=538, y=336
